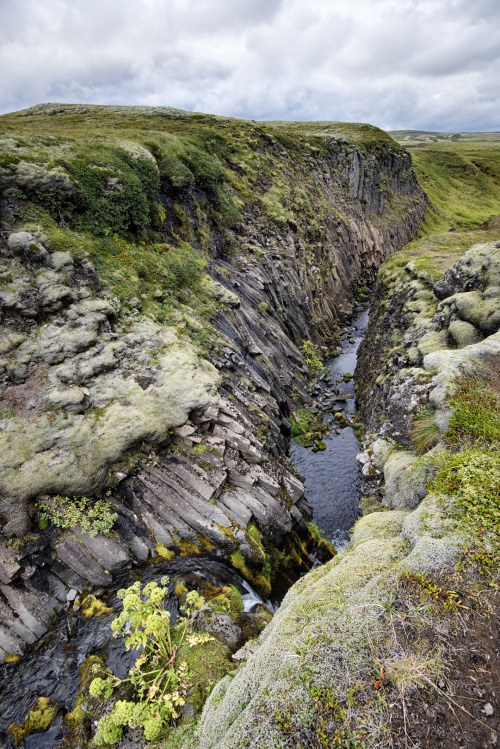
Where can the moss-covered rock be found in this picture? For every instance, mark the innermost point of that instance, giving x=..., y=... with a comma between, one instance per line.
x=92, y=606
x=70, y=454
x=208, y=663
x=38, y=720
x=463, y=333
x=404, y=488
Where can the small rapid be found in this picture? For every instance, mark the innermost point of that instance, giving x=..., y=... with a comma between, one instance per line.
x=332, y=476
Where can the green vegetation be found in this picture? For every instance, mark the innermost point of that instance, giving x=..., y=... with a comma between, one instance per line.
x=301, y=421
x=160, y=676
x=229, y=600
x=93, y=516
x=93, y=606
x=469, y=471
x=149, y=192
x=424, y=431
x=460, y=172
x=433, y=254
x=38, y=720
x=313, y=361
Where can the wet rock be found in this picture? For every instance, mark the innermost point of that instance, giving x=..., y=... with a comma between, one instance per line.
x=72, y=552
x=112, y=555
x=341, y=419
x=219, y=625
x=9, y=564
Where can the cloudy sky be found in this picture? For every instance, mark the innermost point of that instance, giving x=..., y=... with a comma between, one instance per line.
x=423, y=64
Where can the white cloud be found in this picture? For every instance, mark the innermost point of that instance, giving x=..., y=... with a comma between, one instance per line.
x=431, y=64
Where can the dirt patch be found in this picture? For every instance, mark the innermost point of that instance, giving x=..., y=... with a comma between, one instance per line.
x=460, y=709
x=28, y=399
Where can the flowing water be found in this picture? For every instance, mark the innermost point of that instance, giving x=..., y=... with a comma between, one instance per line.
x=333, y=476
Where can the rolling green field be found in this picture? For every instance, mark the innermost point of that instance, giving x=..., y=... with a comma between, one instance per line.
x=460, y=172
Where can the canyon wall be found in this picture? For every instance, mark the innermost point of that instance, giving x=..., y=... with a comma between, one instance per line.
x=170, y=402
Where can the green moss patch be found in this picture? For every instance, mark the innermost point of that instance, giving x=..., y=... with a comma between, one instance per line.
x=207, y=664
x=38, y=720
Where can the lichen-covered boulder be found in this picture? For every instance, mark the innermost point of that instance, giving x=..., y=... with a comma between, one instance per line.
x=463, y=333
x=404, y=488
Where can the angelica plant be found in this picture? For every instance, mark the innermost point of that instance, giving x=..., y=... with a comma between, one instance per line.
x=161, y=684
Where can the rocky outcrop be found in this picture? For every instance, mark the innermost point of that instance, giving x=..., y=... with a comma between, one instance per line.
x=317, y=656
x=425, y=321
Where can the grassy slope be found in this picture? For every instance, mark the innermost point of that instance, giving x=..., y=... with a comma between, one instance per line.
x=462, y=181
x=461, y=178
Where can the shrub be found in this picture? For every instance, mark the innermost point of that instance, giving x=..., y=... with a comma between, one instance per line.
x=94, y=516
x=118, y=192
x=313, y=361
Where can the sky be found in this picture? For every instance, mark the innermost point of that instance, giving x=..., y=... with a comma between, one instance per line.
x=398, y=64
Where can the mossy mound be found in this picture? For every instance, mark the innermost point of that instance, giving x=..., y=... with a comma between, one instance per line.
x=38, y=720
x=208, y=663
x=92, y=606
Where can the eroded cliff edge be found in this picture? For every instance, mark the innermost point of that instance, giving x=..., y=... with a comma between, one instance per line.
x=160, y=273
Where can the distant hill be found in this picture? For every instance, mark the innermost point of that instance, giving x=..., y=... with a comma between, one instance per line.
x=410, y=138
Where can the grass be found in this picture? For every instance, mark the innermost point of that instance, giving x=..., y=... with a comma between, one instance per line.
x=435, y=253
x=424, y=432
x=150, y=192
x=468, y=471
x=461, y=177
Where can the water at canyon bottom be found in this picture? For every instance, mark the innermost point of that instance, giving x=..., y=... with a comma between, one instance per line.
x=333, y=476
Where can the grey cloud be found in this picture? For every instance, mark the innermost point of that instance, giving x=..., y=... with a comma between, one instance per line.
x=431, y=64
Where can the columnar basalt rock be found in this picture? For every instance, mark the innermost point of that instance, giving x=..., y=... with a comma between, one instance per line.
x=100, y=399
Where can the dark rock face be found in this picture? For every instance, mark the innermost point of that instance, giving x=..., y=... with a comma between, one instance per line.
x=223, y=468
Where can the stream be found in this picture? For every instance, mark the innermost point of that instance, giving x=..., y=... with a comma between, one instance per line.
x=332, y=476
x=333, y=482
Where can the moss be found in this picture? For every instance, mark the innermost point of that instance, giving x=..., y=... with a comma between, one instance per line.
x=204, y=542
x=254, y=532
x=92, y=606
x=188, y=548
x=11, y=658
x=163, y=552
x=207, y=664
x=261, y=581
x=320, y=541
x=89, y=668
x=76, y=717
x=38, y=720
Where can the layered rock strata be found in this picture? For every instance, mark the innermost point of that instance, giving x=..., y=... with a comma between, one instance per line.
x=318, y=651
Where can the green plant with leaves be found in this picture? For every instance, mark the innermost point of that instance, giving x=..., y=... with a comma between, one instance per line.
x=301, y=421
x=94, y=516
x=160, y=682
x=313, y=361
